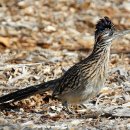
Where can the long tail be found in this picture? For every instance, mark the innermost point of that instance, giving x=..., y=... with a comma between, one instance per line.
x=29, y=91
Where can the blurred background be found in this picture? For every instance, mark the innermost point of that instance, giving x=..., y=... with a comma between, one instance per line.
x=58, y=24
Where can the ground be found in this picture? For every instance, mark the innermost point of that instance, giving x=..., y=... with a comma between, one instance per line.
x=40, y=40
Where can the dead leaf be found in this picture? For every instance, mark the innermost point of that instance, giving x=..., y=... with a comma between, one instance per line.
x=5, y=41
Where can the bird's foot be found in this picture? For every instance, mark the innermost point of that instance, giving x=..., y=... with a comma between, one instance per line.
x=67, y=109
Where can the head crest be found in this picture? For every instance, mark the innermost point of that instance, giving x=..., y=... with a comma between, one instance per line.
x=104, y=23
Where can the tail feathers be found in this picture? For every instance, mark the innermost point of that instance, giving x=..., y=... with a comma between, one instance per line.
x=29, y=91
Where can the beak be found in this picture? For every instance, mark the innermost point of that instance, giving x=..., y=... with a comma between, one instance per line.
x=120, y=33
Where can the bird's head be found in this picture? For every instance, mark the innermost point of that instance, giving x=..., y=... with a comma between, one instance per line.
x=106, y=31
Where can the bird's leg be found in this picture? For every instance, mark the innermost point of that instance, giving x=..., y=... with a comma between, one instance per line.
x=85, y=104
x=66, y=108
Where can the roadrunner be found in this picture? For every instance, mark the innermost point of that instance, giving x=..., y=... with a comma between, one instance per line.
x=83, y=80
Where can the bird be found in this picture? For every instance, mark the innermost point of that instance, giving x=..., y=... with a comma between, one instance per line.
x=83, y=80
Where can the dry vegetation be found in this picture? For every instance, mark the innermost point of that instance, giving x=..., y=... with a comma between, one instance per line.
x=39, y=40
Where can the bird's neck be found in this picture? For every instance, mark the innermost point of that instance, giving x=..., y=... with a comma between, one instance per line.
x=99, y=59
x=101, y=54
x=101, y=50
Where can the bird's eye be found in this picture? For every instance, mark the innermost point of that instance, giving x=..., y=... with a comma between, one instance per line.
x=110, y=33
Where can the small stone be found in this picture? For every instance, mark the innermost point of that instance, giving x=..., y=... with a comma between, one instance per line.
x=50, y=28
x=29, y=10
x=53, y=107
x=21, y=110
x=3, y=121
x=126, y=5
x=22, y=4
